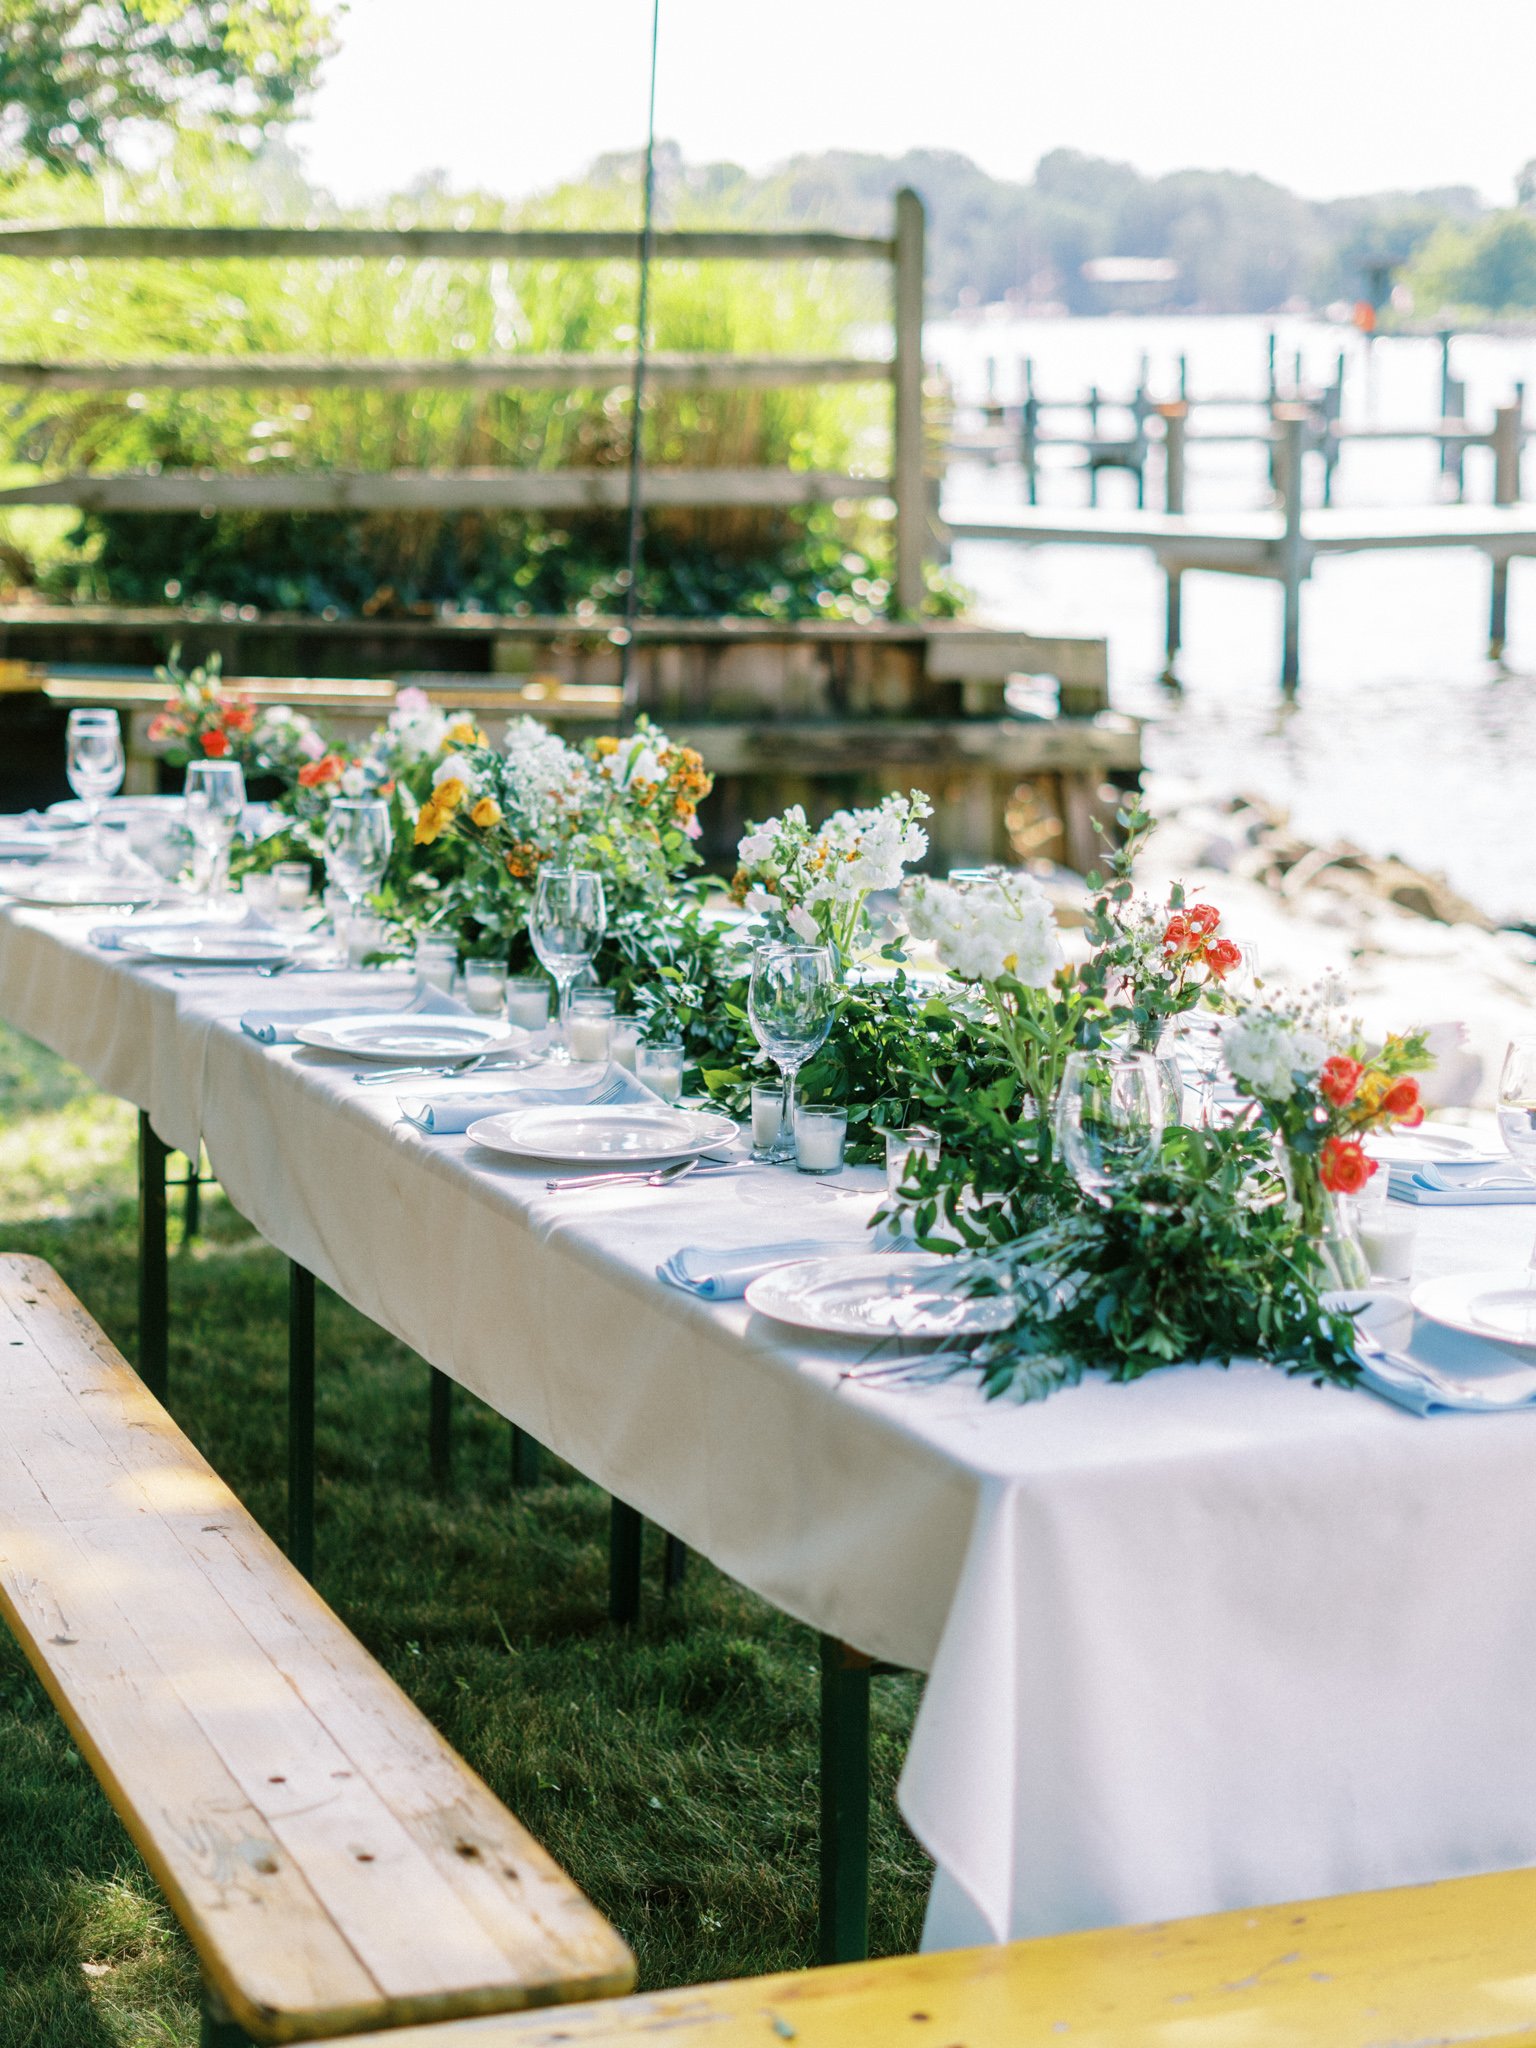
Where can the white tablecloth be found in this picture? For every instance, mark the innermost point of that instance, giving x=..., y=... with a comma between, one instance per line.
x=1218, y=1639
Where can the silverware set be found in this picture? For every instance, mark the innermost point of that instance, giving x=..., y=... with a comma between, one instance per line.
x=473, y=1063
x=660, y=1177
x=1507, y=1390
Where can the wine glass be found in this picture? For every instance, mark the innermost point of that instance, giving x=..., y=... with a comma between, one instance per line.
x=358, y=838
x=94, y=763
x=566, y=927
x=1109, y=1118
x=215, y=801
x=790, y=1004
x=1511, y=1312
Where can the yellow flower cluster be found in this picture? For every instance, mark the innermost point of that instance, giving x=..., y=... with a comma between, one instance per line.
x=436, y=814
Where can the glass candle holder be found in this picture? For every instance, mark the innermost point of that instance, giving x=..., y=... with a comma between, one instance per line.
x=436, y=963
x=660, y=1067
x=820, y=1135
x=527, y=998
x=259, y=893
x=901, y=1147
x=365, y=935
x=768, y=1120
x=485, y=985
x=590, y=1029
x=626, y=1039
x=292, y=881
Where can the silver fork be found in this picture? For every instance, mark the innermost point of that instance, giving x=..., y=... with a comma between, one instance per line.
x=659, y=1177
x=376, y=1077
x=1502, y=1388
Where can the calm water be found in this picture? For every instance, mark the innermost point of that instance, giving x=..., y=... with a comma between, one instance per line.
x=1405, y=737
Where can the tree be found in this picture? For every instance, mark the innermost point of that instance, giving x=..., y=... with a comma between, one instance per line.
x=76, y=74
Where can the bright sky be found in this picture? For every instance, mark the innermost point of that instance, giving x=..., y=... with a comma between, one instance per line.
x=1326, y=96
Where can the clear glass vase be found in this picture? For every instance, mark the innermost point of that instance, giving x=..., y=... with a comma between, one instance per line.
x=1330, y=1224
x=1170, y=1076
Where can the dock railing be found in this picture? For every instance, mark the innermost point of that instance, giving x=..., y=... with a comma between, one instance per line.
x=443, y=490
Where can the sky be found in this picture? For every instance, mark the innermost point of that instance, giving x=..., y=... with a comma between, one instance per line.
x=1325, y=96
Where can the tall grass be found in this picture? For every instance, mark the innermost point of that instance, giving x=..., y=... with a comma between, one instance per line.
x=374, y=307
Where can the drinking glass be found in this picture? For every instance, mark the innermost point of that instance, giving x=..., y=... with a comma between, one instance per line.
x=1109, y=1118
x=94, y=763
x=790, y=1003
x=215, y=801
x=1511, y=1312
x=566, y=927
x=358, y=837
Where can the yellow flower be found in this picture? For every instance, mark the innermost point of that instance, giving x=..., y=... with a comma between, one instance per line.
x=606, y=745
x=486, y=813
x=463, y=733
x=449, y=795
x=429, y=823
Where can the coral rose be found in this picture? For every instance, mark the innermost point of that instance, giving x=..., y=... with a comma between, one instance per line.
x=215, y=745
x=1202, y=919
x=1176, y=938
x=1221, y=956
x=1339, y=1078
x=326, y=769
x=237, y=717
x=1401, y=1102
x=1345, y=1168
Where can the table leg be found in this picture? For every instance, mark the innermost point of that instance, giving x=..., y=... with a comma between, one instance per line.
x=217, y=2030
x=440, y=1430
x=527, y=1455
x=674, y=1566
x=154, y=1276
x=301, y=1419
x=845, y=1676
x=192, y=1203
x=625, y=1529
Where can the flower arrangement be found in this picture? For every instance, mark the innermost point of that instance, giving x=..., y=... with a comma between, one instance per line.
x=201, y=721
x=815, y=884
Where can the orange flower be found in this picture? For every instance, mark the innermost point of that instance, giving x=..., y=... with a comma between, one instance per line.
x=326, y=769
x=215, y=745
x=237, y=717
x=162, y=728
x=1202, y=919
x=1401, y=1102
x=1345, y=1168
x=1176, y=937
x=1339, y=1079
x=1221, y=956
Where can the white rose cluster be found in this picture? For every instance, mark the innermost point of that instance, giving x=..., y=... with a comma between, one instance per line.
x=986, y=931
x=416, y=728
x=1265, y=1050
x=547, y=780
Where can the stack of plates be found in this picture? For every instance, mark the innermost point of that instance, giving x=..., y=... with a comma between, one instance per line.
x=409, y=1039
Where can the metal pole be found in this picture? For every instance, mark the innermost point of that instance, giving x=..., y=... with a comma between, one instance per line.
x=627, y=683
x=527, y=1456
x=440, y=1429
x=154, y=1272
x=907, y=434
x=1175, y=427
x=625, y=1531
x=845, y=1676
x=301, y=1418
x=1290, y=442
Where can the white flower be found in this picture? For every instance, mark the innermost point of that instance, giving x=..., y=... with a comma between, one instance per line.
x=1006, y=927
x=455, y=768
x=758, y=845
x=759, y=902
x=415, y=729
x=802, y=922
x=1266, y=1049
x=353, y=781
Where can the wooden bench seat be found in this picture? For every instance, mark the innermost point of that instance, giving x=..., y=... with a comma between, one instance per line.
x=1430, y=1964
x=336, y=1865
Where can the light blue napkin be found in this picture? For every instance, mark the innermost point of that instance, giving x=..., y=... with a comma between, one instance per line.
x=276, y=1026
x=1447, y=1185
x=724, y=1274
x=1408, y=1391
x=451, y=1115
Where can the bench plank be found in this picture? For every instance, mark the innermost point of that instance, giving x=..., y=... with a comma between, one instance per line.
x=1425, y=1964
x=335, y=1864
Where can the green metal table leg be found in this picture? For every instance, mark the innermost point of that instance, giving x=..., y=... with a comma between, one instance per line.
x=527, y=1456
x=192, y=1203
x=845, y=1676
x=440, y=1430
x=674, y=1564
x=218, y=2031
x=301, y=1419
x=154, y=1277
x=625, y=1529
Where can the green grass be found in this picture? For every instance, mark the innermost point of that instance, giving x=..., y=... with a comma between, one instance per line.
x=672, y=1772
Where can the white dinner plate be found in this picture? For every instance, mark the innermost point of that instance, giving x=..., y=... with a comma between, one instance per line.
x=877, y=1294
x=1498, y=1304
x=116, y=809
x=632, y=1133
x=1434, y=1145
x=211, y=949
x=407, y=1037
x=80, y=891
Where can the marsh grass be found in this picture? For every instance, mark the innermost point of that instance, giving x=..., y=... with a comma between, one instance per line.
x=673, y=1772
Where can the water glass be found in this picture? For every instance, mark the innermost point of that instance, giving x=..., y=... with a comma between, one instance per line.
x=259, y=893
x=791, y=1003
x=358, y=838
x=95, y=764
x=915, y=1143
x=1109, y=1118
x=294, y=881
x=436, y=961
x=485, y=985
x=365, y=935
x=591, y=1026
x=820, y=1135
x=214, y=802
x=566, y=926
x=528, y=1001
x=660, y=1067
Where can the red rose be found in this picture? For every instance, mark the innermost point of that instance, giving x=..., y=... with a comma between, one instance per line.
x=1345, y=1167
x=1339, y=1079
x=1401, y=1102
x=326, y=769
x=1176, y=937
x=1202, y=919
x=1221, y=956
x=215, y=745
x=237, y=717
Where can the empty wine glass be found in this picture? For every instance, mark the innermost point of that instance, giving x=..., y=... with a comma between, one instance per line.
x=215, y=801
x=95, y=764
x=358, y=838
x=1243, y=981
x=566, y=927
x=1511, y=1312
x=1109, y=1118
x=790, y=1003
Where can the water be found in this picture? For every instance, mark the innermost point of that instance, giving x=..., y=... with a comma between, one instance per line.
x=1405, y=737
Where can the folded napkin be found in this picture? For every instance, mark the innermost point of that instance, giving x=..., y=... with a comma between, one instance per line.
x=109, y=937
x=722, y=1274
x=277, y=1025
x=1453, y=1185
x=451, y=1115
x=1407, y=1390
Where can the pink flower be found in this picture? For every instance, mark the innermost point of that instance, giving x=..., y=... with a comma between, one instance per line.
x=311, y=746
x=412, y=700
x=693, y=828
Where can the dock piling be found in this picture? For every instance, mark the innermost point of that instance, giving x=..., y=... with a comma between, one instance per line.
x=1508, y=436
x=1290, y=443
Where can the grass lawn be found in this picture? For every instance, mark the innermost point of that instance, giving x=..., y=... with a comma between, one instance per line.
x=672, y=1772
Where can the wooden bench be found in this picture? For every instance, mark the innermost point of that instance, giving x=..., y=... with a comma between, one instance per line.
x=336, y=1866
x=1429, y=1964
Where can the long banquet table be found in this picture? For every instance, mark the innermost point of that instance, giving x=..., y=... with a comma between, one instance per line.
x=1220, y=1638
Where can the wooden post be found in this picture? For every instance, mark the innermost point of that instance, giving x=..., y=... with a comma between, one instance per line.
x=154, y=1272
x=1290, y=442
x=1184, y=380
x=1508, y=434
x=301, y=1419
x=907, y=465
x=1029, y=429
x=845, y=1676
x=1175, y=426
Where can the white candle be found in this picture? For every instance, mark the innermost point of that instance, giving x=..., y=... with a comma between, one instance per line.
x=528, y=1004
x=591, y=1034
x=483, y=992
x=432, y=973
x=819, y=1139
x=660, y=1067
x=626, y=1037
x=767, y=1116
x=1387, y=1238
